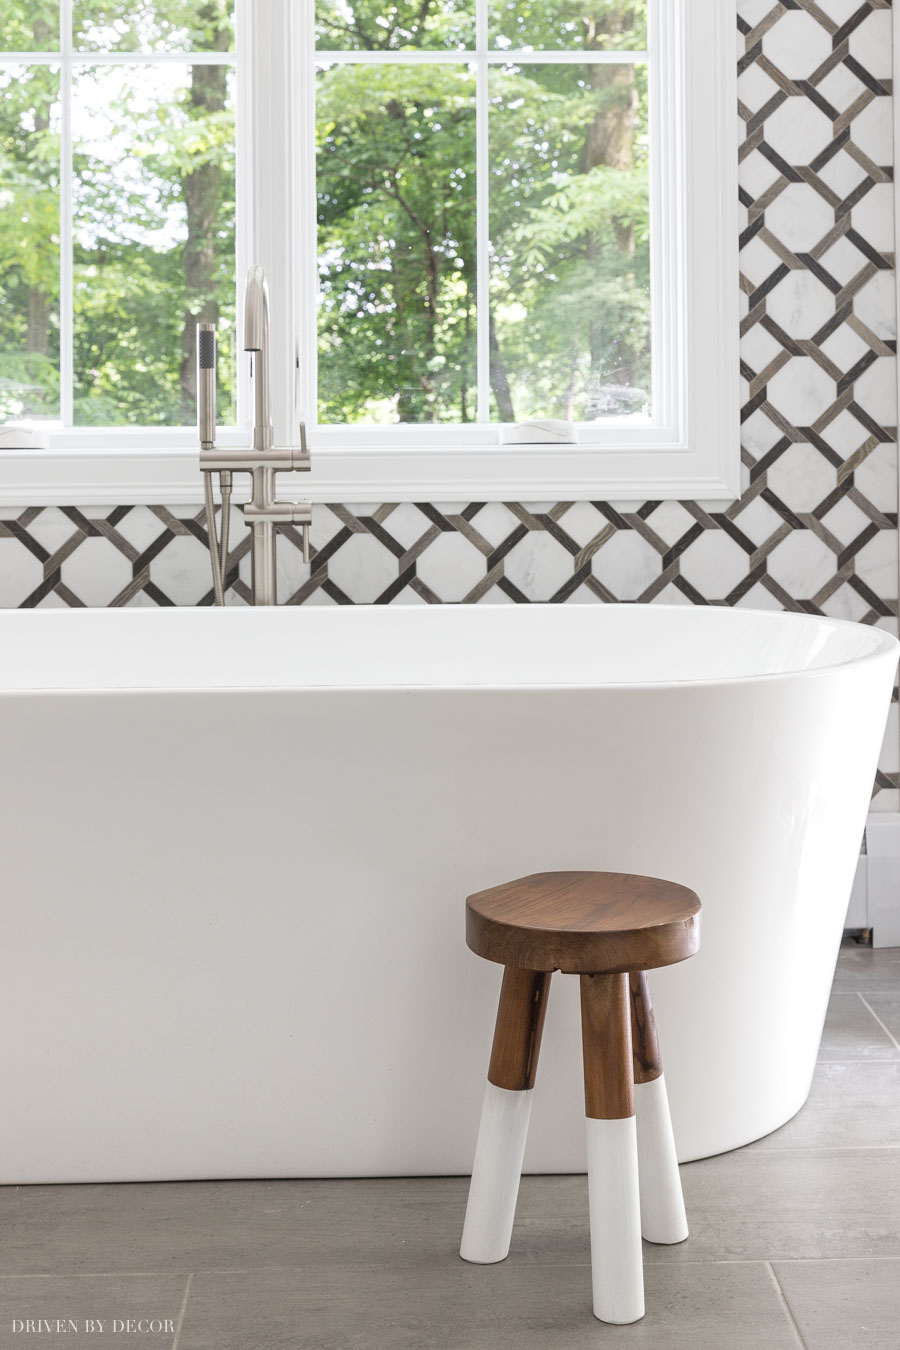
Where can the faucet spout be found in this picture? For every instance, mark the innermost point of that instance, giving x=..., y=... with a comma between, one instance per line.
x=256, y=340
x=263, y=513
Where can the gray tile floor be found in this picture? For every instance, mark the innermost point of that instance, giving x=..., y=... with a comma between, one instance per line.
x=795, y=1241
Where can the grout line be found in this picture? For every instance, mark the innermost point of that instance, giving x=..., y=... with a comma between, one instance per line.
x=813, y=1260
x=649, y=1261
x=85, y=1275
x=785, y=1305
x=869, y=1059
x=184, y=1302
x=752, y=1150
x=867, y=1005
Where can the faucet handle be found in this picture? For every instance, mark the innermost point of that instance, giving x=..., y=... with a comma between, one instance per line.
x=302, y=460
x=303, y=518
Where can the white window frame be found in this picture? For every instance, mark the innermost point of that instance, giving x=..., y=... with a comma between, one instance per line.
x=693, y=454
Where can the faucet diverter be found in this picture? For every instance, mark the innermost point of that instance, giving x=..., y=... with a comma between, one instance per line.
x=262, y=513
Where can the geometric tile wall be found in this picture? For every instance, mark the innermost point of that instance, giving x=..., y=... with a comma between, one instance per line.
x=815, y=528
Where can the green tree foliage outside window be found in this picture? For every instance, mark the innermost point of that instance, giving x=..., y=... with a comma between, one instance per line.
x=153, y=212
x=569, y=327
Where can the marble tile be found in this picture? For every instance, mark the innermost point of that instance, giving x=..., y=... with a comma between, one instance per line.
x=538, y=565
x=96, y=572
x=452, y=567
x=626, y=564
x=20, y=573
x=801, y=563
x=363, y=568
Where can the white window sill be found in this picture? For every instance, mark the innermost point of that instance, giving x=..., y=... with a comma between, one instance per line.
x=164, y=472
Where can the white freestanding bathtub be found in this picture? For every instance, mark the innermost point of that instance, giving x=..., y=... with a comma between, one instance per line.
x=236, y=846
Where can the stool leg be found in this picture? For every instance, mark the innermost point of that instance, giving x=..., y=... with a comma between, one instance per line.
x=617, y=1266
x=505, y=1114
x=662, y=1203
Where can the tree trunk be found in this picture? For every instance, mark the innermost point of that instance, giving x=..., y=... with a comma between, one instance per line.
x=609, y=141
x=464, y=385
x=610, y=135
x=201, y=188
x=499, y=380
x=432, y=273
x=37, y=334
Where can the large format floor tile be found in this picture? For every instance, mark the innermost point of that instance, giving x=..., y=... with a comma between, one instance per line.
x=844, y=1305
x=852, y=1032
x=452, y=1306
x=886, y=1007
x=852, y=1104
x=374, y=1263
x=191, y=1225
x=867, y=970
x=140, y=1311
x=793, y=1204
x=748, y=1205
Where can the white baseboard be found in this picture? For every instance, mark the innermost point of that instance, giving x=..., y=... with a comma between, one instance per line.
x=875, y=898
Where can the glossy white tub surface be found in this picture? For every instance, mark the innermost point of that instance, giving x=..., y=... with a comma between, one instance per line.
x=237, y=843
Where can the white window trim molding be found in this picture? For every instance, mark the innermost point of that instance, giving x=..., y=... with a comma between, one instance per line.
x=696, y=457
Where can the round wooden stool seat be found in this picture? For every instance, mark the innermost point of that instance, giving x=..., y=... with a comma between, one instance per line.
x=584, y=923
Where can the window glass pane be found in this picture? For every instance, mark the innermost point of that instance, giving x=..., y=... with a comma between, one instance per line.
x=153, y=239
x=396, y=202
x=371, y=25
x=545, y=25
x=29, y=25
x=570, y=265
x=153, y=25
x=29, y=242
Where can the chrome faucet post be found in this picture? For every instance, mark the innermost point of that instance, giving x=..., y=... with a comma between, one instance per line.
x=262, y=513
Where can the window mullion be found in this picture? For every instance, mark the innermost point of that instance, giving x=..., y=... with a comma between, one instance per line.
x=66, y=184
x=306, y=225
x=482, y=216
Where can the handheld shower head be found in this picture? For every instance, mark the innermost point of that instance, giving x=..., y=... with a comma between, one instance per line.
x=206, y=384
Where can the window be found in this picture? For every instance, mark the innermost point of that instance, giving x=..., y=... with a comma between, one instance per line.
x=482, y=177
x=472, y=213
x=117, y=228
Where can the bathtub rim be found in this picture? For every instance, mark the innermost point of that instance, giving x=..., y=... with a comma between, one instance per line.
x=885, y=644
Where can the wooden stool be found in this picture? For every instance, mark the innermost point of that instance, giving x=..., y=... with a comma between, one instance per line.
x=608, y=928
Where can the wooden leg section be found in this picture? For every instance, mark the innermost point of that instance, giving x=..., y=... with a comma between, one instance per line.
x=663, y=1217
x=616, y=1258
x=505, y=1114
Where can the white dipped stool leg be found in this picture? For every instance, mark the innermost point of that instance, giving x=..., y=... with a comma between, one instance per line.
x=662, y=1203
x=617, y=1264
x=494, y=1188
